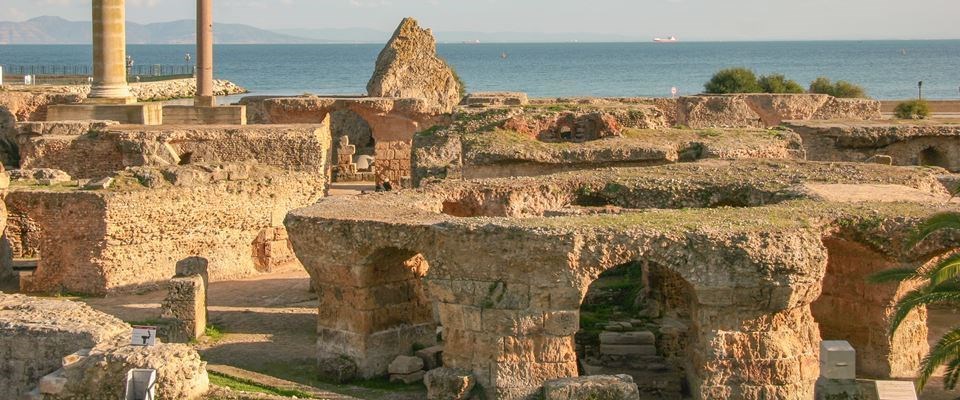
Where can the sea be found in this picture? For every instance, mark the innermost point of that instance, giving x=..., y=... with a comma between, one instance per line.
x=887, y=69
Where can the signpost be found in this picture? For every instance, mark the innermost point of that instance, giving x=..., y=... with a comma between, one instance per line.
x=144, y=336
x=674, y=91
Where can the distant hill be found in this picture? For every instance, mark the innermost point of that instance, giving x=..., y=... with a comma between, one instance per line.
x=56, y=30
x=364, y=35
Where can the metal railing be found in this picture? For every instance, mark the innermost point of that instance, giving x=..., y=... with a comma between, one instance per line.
x=80, y=74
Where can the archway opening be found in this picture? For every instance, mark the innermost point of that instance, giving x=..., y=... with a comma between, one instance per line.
x=21, y=246
x=931, y=156
x=636, y=319
x=852, y=309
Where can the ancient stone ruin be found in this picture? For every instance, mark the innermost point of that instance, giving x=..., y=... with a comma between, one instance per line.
x=702, y=247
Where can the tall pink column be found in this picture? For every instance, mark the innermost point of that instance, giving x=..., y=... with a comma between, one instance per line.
x=204, y=97
x=109, y=54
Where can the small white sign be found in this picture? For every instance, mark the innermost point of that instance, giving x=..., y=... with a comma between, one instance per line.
x=28, y=80
x=896, y=390
x=674, y=91
x=144, y=336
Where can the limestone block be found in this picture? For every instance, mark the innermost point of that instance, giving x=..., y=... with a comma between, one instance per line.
x=99, y=184
x=838, y=360
x=405, y=365
x=628, y=350
x=642, y=337
x=432, y=357
x=408, y=379
x=448, y=384
x=620, y=387
x=53, y=384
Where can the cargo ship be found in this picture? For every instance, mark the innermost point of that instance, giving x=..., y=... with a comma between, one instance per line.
x=671, y=39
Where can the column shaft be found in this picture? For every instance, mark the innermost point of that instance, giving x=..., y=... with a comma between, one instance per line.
x=109, y=54
x=204, y=97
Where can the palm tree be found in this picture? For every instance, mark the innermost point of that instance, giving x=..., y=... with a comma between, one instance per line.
x=939, y=283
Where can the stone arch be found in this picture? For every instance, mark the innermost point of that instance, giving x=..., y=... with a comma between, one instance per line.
x=850, y=308
x=636, y=319
x=376, y=310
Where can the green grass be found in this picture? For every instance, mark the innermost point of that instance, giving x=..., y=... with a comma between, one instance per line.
x=248, y=386
x=214, y=332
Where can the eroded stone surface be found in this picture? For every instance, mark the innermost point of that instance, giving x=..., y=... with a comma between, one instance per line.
x=408, y=67
x=508, y=275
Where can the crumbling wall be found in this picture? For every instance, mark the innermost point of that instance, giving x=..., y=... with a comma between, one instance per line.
x=36, y=334
x=918, y=143
x=123, y=239
x=108, y=149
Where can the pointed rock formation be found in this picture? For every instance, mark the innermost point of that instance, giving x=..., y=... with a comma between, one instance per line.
x=409, y=67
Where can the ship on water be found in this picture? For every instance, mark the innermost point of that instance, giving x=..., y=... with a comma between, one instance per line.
x=671, y=39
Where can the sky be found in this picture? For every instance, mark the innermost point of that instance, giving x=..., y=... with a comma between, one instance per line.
x=641, y=19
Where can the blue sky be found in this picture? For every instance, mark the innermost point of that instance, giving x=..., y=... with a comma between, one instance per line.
x=687, y=19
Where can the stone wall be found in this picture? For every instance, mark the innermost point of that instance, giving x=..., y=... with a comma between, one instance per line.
x=393, y=163
x=132, y=236
x=38, y=333
x=105, y=149
x=898, y=143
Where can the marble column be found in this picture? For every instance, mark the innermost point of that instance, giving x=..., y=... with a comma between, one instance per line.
x=204, y=97
x=109, y=54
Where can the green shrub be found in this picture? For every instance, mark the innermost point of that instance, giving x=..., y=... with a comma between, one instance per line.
x=916, y=109
x=842, y=89
x=733, y=80
x=777, y=83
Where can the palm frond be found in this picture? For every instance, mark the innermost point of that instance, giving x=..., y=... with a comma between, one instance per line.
x=936, y=223
x=894, y=275
x=946, y=351
x=953, y=372
x=922, y=297
x=945, y=271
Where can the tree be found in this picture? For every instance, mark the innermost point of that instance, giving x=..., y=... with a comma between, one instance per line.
x=842, y=89
x=778, y=83
x=938, y=284
x=733, y=80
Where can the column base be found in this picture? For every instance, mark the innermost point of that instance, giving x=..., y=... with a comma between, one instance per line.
x=205, y=101
x=110, y=100
x=130, y=114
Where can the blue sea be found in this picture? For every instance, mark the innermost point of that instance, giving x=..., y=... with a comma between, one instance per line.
x=887, y=69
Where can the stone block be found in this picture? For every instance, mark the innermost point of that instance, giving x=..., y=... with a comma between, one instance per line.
x=403, y=365
x=408, y=379
x=620, y=387
x=53, y=384
x=130, y=114
x=641, y=337
x=99, y=184
x=628, y=350
x=838, y=360
x=186, y=306
x=449, y=384
x=192, y=115
x=432, y=357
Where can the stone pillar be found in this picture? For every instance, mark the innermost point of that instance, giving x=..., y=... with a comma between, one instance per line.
x=109, y=54
x=204, y=97
x=185, y=308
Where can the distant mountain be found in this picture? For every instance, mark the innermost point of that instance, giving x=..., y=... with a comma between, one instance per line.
x=363, y=35
x=56, y=30
x=345, y=35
